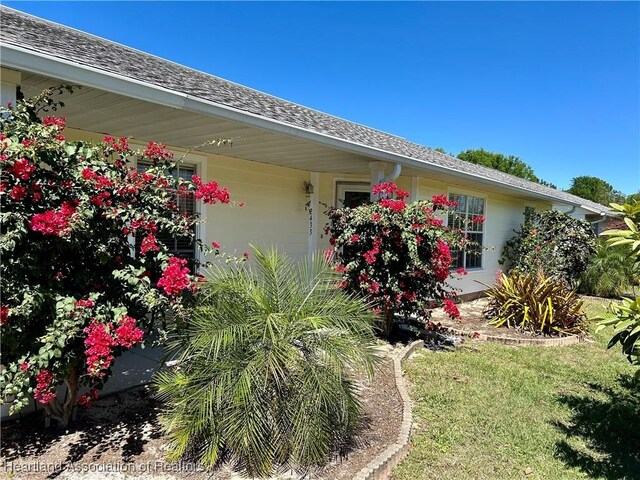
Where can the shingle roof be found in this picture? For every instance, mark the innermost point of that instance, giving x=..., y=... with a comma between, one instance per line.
x=36, y=34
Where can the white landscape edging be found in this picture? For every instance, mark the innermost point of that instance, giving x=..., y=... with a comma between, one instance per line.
x=380, y=467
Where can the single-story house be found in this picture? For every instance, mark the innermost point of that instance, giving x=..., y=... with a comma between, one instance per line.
x=287, y=161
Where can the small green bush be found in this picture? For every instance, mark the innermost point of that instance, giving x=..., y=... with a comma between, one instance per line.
x=609, y=273
x=553, y=242
x=266, y=378
x=536, y=304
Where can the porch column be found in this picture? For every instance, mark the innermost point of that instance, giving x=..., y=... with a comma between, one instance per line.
x=377, y=175
x=415, y=190
x=314, y=205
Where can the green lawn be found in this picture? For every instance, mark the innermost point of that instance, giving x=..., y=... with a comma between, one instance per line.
x=487, y=411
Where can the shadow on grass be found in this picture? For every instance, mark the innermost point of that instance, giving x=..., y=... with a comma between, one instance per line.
x=607, y=422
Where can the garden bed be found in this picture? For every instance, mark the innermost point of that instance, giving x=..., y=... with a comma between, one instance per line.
x=473, y=324
x=120, y=437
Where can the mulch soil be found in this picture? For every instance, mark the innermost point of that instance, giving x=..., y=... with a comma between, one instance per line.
x=472, y=320
x=120, y=437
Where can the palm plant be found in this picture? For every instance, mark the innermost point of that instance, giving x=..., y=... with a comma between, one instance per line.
x=265, y=378
x=609, y=273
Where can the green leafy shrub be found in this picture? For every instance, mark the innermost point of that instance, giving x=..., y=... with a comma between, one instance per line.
x=609, y=273
x=534, y=303
x=625, y=317
x=553, y=242
x=266, y=376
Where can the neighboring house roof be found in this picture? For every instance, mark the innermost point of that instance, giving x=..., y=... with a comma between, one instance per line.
x=38, y=35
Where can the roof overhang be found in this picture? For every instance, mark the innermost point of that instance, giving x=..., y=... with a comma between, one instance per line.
x=12, y=56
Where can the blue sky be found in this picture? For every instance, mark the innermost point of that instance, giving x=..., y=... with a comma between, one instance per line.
x=557, y=84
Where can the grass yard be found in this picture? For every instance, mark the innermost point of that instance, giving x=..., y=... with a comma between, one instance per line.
x=487, y=411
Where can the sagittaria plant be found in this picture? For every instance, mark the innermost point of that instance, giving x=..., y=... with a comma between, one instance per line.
x=399, y=254
x=83, y=273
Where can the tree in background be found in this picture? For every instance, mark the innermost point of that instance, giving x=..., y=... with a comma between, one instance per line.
x=505, y=163
x=595, y=189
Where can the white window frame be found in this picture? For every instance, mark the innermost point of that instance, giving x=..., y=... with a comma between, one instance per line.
x=340, y=186
x=485, y=225
x=199, y=163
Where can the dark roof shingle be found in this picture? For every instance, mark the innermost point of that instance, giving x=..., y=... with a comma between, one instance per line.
x=55, y=40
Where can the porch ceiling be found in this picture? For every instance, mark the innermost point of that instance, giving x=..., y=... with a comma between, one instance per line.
x=102, y=112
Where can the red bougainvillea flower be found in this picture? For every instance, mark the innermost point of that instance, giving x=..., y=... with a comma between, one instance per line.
x=118, y=144
x=24, y=366
x=42, y=393
x=22, y=169
x=354, y=238
x=157, y=151
x=88, y=303
x=395, y=205
x=127, y=333
x=149, y=244
x=211, y=193
x=401, y=194
x=441, y=260
x=86, y=399
x=98, y=348
x=245, y=255
x=58, y=122
x=175, y=278
x=18, y=193
x=4, y=315
x=478, y=219
x=451, y=309
x=442, y=201
x=385, y=188
x=461, y=271
x=52, y=222
x=88, y=173
x=215, y=244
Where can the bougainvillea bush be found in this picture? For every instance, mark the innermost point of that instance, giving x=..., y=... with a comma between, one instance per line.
x=399, y=254
x=552, y=242
x=83, y=273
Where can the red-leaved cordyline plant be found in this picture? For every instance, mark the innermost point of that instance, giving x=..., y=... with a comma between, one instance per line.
x=397, y=253
x=76, y=291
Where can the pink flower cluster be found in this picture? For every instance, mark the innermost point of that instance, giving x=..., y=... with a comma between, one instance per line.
x=42, y=393
x=86, y=399
x=118, y=144
x=53, y=222
x=443, y=201
x=98, y=348
x=451, y=309
x=157, y=152
x=395, y=205
x=149, y=244
x=58, y=122
x=441, y=260
x=388, y=189
x=175, y=278
x=127, y=333
x=88, y=303
x=371, y=255
x=100, y=342
x=211, y=192
x=22, y=169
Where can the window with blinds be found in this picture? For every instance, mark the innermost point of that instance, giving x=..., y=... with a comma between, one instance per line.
x=180, y=246
x=462, y=217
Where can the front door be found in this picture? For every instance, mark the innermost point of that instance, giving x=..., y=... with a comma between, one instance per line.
x=352, y=194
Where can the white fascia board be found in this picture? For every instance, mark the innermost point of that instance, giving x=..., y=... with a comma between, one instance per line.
x=26, y=60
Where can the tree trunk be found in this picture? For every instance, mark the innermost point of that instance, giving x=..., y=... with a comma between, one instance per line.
x=388, y=319
x=61, y=412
